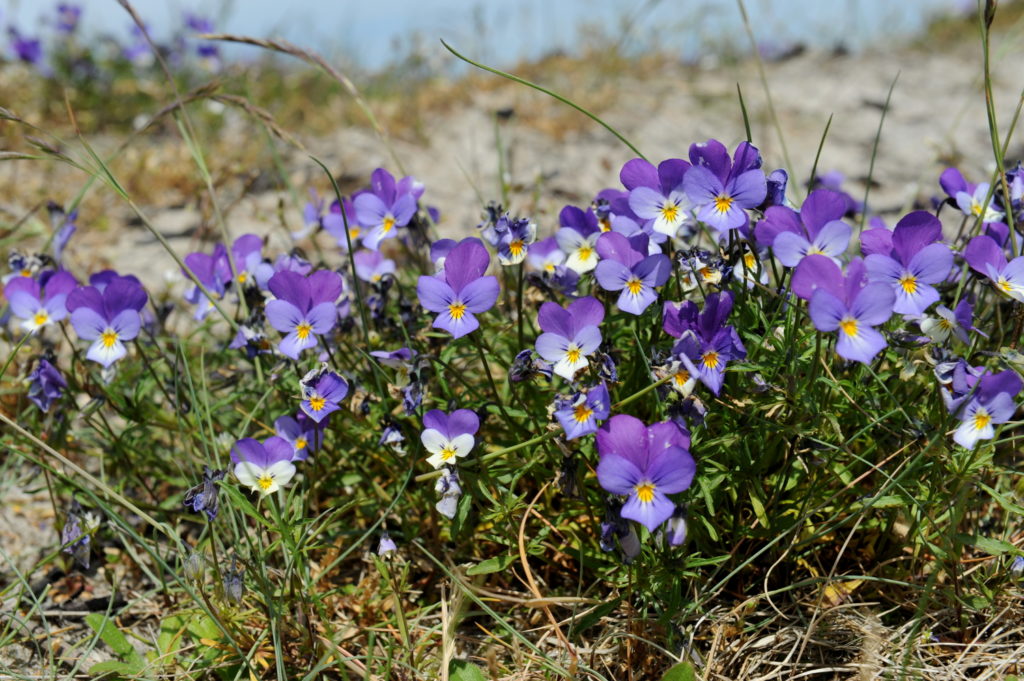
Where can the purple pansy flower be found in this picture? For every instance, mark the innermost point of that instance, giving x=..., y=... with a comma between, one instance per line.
x=301, y=433
x=645, y=464
x=570, y=334
x=845, y=305
x=914, y=264
x=706, y=342
x=580, y=415
x=985, y=257
x=321, y=394
x=722, y=190
x=514, y=238
x=45, y=385
x=263, y=467
x=107, y=317
x=984, y=402
x=545, y=255
x=304, y=308
x=385, y=207
x=625, y=266
x=974, y=204
x=956, y=322
x=817, y=229
x=576, y=238
x=42, y=302
x=448, y=436
x=462, y=291
x=203, y=497
x=657, y=195
x=372, y=266
x=68, y=16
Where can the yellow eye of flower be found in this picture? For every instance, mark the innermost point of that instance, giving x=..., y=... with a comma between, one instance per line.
x=635, y=286
x=848, y=325
x=515, y=247
x=303, y=330
x=670, y=211
x=573, y=354
x=265, y=481
x=723, y=203
x=681, y=377
x=388, y=225
x=582, y=413
x=645, y=492
x=710, y=359
x=300, y=443
x=457, y=310
x=981, y=419
x=909, y=283
x=316, y=402
x=447, y=453
x=585, y=252
x=108, y=338
x=40, y=318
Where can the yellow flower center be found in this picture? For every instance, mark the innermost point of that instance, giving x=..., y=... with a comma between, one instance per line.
x=710, y=359
x=582, y=413
x=388, y=224
x=375, y=277
x=585, y=252
x=848, y=325
x=814, y=250
x=909, y=283
x=645, y=492
x=635, y=286
x=681, y=377
x=242, y=277
x=1004, y=285
x=26, y=273
x=303, y=330
x=41, y=318
x=300, y=443
x=707, y=274
x=515, y=247
x=457, y=310
x=316, y=402
x=976, y=208
x=108, y=338
x=605, y=224
x=945, y=324
x=981, y=419
x=573, y=354
x=549, y=267
x=749, y=261
x=670, y=211
x=723, y=203
x=264, y=482
x=353, y=232
x=447, y=453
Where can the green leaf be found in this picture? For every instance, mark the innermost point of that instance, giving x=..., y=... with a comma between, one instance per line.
x=993, y=547
x=496, y=564
x=109, y=633
x=680, y=672
x=460, y=670
x=114, y=667
x=202, y=626
x=244, y=505
x=169, y=639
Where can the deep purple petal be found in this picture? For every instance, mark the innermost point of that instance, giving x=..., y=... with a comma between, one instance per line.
x=877, y=240
x=250, y=450
x=671, y=469
x=435, y=419
x=278, y=449
x=638, y=173
x=671, y=173
x=86, y=296
x=292, y=287
x=325, y=286
x=982, y=251
x=624, y=435
x=817, y=272
x=821, y=207
x=463, y=421
x=586, y=311
x=553, y=318
x=617, y=248
x=465, y=263
x=711, y=156
x=913, y=232
x=777, y=219
x=666, y=434
x=654, y=270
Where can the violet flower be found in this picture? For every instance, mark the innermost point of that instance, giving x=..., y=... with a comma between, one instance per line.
x=957, y=323
x=344, y=228
x=304, y=308
x=263, y=467
x=448, y=436
x=658, y=195
x=386, y=206
x=203, y=497
x=845, y=304
x=914, y=264
x=570, y=334
x=301, y=433
x=722, y=190
x=817, y=229
x=449, y=489
x=988, y=402
x=978, y=204
x=576, y=238
x=625, y=266
x=39, y=303
x=646, y=464
x=45, y=385
x=706, y=343
x=107, y=318
x=322, y=391
x=515, y=237
x=985, y=257
x=580, y=415
x=545, y=255
x=372, y=266
x=463, y=292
